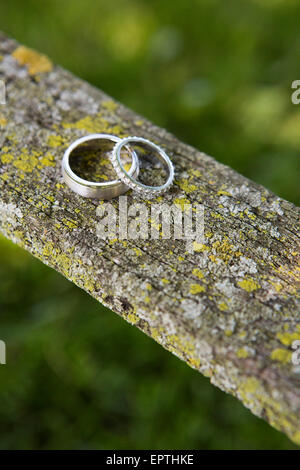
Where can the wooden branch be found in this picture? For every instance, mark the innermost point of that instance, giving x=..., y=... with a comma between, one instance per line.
x=231, y=309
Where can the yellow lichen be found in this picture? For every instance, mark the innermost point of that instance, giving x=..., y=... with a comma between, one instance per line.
x=248, y=284
x=223, y=306
x=69, y=223
x=48, y=249
x=109, y=104
x=5, y=176
x=228, y=333
x=223, y=193
x=215, y=215
x=250, y=215
x=88, y=284
x=132, y=318
x=281, y=355
x=180, y=344
x=242, y=353
x=138, y=252
x=195, y=363
x=35, y=62
x=95, y=124
x=199, y=247
x=6, y=158
x=249, y=387
x=196, y=288
x=47, y=160
x=181, y=202
x=199, y=274
x=276, y=285
x=26, y=162
x=296, y=437
x=288, y=338
x=196, y=173
x=55, y=140
x=186, y=186
x=63, y=262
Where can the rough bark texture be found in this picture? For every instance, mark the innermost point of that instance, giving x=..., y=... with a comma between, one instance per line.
x=230, y=310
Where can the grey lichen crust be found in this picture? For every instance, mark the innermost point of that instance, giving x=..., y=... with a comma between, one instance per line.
x=231, y=309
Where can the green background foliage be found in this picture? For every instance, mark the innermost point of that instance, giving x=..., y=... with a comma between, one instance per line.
x=218, y=75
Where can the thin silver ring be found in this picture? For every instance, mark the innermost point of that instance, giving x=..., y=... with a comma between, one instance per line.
x=130, y=179
x=92, y=189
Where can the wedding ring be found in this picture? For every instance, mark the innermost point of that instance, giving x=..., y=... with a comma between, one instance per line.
x=130, y=179
x=91, y=189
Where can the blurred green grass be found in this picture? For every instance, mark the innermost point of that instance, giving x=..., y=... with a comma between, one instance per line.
x=218, y=75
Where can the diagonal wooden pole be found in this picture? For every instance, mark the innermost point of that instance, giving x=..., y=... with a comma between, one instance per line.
x=230, y=308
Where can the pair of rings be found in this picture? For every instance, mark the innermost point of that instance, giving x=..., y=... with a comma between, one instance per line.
x=126, y=179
